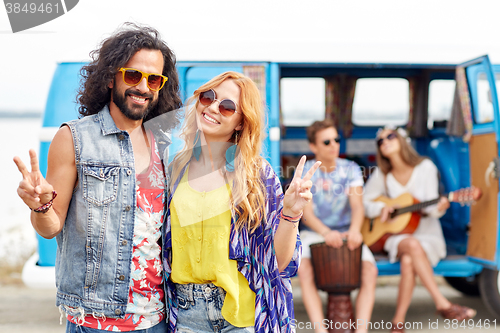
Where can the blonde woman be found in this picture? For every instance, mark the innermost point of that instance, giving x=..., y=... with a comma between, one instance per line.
x=231, y=241
x=401, y=170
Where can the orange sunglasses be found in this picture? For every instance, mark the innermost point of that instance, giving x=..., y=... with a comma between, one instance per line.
x=133, y=77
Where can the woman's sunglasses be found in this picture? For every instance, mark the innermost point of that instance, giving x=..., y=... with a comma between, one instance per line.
x=327, y=142
x=133, y=77
x=226, y=107
x=388, y=137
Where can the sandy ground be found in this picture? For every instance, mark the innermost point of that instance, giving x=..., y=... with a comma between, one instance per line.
x=24, y=310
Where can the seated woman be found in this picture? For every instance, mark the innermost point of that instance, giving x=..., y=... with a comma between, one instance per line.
x=231, y=242
x=402, y=170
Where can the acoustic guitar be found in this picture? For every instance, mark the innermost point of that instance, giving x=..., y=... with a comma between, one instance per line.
x=406, y=217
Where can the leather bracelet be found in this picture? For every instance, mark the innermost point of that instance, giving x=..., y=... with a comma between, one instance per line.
x=45, y=207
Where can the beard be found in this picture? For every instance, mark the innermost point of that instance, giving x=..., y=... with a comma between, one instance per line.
x=135, y=112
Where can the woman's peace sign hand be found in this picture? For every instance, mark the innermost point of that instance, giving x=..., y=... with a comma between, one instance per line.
x=298, y=194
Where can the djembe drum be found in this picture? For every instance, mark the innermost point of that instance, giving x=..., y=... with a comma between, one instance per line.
x=338, y=272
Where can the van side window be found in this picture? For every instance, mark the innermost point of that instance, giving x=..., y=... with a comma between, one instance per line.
x=441, y=94
x=381, y=101
x=484, y=112
x=302, y=100
x=497, y=83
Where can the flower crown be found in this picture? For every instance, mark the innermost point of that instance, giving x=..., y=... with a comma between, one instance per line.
x=401, y=131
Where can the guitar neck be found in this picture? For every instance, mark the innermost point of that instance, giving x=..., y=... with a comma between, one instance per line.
x=464, y=195
x=414, y=208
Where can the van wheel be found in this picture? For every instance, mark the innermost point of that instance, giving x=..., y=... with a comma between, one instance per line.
x=466, y=285
x=490, y=291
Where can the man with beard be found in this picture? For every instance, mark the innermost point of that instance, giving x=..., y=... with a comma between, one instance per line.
x=107, y=173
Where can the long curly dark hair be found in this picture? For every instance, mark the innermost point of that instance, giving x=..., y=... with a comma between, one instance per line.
x=113, y=54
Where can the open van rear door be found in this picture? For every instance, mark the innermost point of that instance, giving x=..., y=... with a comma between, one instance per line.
x=265, y=75
x=483, y=239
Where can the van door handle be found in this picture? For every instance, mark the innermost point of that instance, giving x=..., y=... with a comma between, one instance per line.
x=492, y=170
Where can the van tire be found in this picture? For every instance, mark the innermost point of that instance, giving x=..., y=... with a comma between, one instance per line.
x=490, y=293
x=466, y=285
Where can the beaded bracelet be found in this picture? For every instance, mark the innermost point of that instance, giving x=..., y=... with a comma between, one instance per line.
x=44, y=208
x=290, y=218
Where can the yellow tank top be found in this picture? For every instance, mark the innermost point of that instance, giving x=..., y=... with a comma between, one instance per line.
x=201, y=223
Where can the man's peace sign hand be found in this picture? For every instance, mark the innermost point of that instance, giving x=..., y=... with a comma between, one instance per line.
x=33, y=189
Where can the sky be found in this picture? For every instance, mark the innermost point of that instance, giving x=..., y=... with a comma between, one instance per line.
x=421, y=31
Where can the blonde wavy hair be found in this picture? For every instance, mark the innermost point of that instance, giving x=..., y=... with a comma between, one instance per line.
x=247, y=187
x=407, y=153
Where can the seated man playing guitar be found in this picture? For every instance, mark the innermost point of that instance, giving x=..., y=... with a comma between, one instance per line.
x=401, y=170
x=335, y=213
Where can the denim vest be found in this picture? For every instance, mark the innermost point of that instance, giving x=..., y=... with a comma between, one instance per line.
x=94, y=248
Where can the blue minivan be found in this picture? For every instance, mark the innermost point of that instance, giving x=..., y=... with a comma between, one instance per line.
x=450, y=111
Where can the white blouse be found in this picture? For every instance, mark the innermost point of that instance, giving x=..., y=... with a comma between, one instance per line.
x=423, y=185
